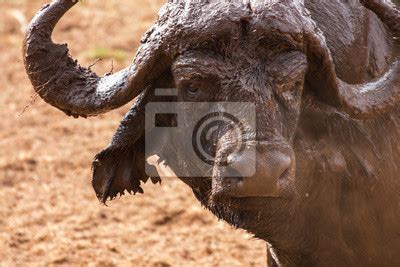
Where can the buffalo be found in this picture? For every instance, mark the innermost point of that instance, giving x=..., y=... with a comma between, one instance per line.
x=324, y=78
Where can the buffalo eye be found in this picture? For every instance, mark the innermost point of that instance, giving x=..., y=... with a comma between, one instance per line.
x=192, y=92
x=288, y=93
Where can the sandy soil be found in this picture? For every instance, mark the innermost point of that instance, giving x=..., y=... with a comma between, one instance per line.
x=49, y=215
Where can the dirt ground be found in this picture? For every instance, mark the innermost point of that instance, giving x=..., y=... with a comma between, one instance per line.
x=49, y=215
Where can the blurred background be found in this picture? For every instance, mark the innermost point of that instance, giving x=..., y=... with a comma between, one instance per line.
x=49, y=215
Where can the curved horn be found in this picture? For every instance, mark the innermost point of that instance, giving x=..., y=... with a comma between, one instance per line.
x=387, y=12
x=78, y=91
x=362, y=100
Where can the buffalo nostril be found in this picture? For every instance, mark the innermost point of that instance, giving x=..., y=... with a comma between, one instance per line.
x=281, y=166
x=265, y=171
x=271, y=167
x=285, y=174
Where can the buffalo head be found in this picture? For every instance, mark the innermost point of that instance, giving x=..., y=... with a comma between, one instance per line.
x=269, y=53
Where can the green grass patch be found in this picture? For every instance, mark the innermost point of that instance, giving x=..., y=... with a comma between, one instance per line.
x=106, y=53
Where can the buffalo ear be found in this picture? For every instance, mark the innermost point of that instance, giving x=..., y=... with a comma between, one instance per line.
x=122, y=165
x=116, y=171
x=113, y=171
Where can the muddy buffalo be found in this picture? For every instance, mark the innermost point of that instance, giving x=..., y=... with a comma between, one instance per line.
x=324, y=78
